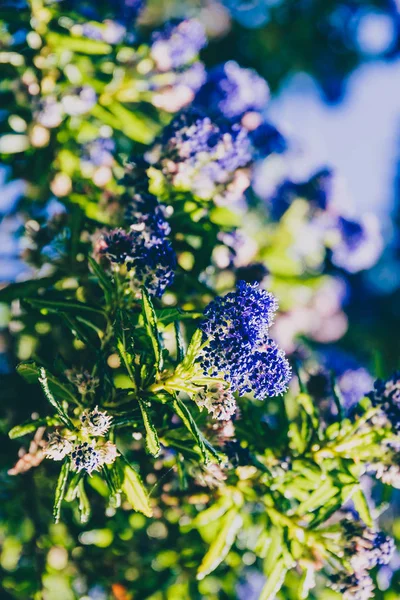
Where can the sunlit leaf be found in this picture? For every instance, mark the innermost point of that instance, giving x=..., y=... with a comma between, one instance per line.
x=217, y=552
x=60, y=490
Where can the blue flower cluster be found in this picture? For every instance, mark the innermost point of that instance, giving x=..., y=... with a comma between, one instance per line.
x=177, y=72
x=360, y=243
x=144, y=249
x=354, y=242
x=144, y=213
x=99, y=152
x=198, y=155
x=238, y=347
x=386, y=396
x=365, y=549
x=177, y=44
x=354, y=586
x=241, y=95
x=150, y=261
x=266, y=140
x=231, y=92
x=316, y=190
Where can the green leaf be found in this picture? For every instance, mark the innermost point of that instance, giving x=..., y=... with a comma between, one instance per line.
x=319, y=497
x=152, y=441
x=170, y=315
x=274, y=548
x=125, y=343
x=211, y=514
x=128, y=418
x=60, y=42
x=104, y=281
x=362, y=507
x=135, y=491
x=150, y=322
x=180, y=349
x=185, y=415
x=274, y=582
x=221, y=215
x=60, y=490
x=192, y=352
x=134, y=124
x=326, y=511
x=55, y=403
x=80, y=331
x=72, y=490
x=56, y=306
x=223, y=542
x=115, y=495
x=30, y=371
x=84, y=504
x=24, y=288
x=29, y=426
x=337, y=397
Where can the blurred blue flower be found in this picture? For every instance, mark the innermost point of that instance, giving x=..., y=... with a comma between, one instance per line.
x=177, y=44
x=231, y=91
x=360, y=243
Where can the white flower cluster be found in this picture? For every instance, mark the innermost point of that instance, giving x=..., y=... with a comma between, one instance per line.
x=86, y=455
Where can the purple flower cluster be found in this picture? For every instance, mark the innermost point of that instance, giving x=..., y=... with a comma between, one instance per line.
x=241, y=95
x=198, y=155
x=150, y=260
x=386, y=396
x=355, y=243
x=354, y=586
x=177, y=44
x=99, y=152
x=144, y=213
x=238, y=347
x=231, y=92
x=316, y=190
x=354, y=380
x=364, y=549
x=266, y=140
x=360, y=243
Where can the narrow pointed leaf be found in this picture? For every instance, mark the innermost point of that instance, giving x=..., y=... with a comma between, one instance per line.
x=135, y=491
x=361, y=506
x=184, y=413
x=104, y=282
x=80, y=332
x=60, y=490
x=72, y=489
x=221, y=545
x=29, y=426
x=55, y=403
x=30, y=371
x=152, y=441
x=180, y=348
x=192, y=351
x=22, y=289
x=84, y=504
x=319, y=497
x=57, y=306
x=274, y=582
x=125, y=345
x=171, y=315
x=150, y=322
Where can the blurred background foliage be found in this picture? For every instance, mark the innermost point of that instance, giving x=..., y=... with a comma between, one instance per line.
x=351, y=320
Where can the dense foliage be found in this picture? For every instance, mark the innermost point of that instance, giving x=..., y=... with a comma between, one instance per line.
x=184, y=443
